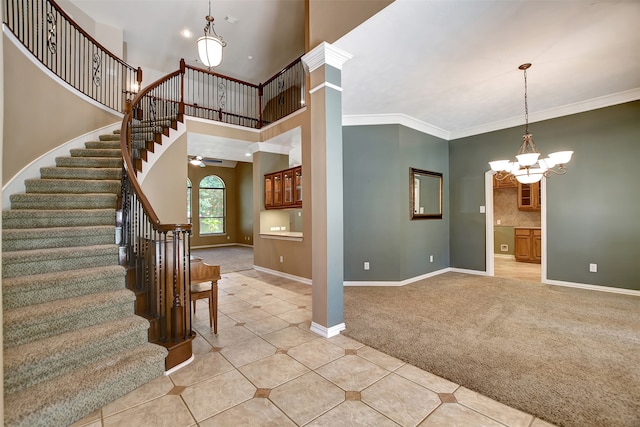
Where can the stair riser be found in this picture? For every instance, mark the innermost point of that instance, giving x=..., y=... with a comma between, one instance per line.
x=114, y=137
x=81, y=173
x=102, y=145
x=15, y=269
x=70, y=289
x=84, y=152
x=23, y=244
x=65, y=203
x=69, y=405
x=58, y=364
x=63, y=322
x=57, y=221
x=88, y=162
x=72, y=186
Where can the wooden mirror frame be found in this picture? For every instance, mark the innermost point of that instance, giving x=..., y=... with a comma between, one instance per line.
x=434, y=201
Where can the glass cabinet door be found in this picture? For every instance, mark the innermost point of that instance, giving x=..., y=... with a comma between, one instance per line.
x=268, y=191
x=287, y=176
x=277, y=189
x=297, y=182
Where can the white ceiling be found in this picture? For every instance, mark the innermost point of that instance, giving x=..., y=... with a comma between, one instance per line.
x=453, y=65
x=450, y=66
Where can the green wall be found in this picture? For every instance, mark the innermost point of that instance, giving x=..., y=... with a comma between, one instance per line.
x=592, y=211
x=377, y=225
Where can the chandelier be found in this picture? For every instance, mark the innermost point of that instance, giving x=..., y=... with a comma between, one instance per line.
x=211, y=44
x=528, y=166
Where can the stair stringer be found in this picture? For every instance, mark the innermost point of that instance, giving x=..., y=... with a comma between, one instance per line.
x=160, y=149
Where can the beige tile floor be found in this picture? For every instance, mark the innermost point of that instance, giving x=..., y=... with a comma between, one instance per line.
x=265, y=368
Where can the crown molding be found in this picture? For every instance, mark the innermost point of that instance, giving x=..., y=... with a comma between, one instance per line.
x=325, y=53
x=552, y=113
x=394, y=119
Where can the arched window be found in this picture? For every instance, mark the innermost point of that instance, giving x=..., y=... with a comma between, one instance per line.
x=212, y=205
x=189, y=192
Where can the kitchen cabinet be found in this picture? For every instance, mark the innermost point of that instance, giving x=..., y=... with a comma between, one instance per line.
x=283, y=189
x=528, y=244
x=529, y=197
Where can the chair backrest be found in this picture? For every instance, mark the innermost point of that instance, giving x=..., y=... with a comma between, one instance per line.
x=203, y=272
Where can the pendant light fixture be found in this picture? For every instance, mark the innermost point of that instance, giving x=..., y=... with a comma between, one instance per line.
x=528, y=166
x=210, y=45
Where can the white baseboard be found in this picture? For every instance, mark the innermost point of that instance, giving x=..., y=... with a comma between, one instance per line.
x=505, y=256
x=282, y=274
x=598, y=288
x=327, y=332
x=221, y=246
x=179, y=366
x=396, y=283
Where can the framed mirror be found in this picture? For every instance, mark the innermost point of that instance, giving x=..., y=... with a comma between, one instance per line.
x=425, y=194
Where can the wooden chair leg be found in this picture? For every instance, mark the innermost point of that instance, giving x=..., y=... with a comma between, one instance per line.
x=214, y=305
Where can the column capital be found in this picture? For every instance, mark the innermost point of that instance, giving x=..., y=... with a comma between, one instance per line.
x=325, y=53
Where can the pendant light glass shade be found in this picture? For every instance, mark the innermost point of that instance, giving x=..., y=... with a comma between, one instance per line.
x=210, y=50
x=211, y=45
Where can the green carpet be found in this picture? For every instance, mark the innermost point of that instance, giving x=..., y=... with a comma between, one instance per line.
x=71, y=340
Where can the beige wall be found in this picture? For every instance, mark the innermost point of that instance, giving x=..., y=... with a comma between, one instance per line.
x=266, y=252
x=229, y=176
x=329, y=20
x=34, y=96
x=167, y=192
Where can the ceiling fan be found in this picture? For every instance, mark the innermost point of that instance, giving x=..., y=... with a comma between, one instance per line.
x=203, y=161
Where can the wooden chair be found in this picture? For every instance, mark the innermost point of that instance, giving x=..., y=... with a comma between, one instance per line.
x=204, y=285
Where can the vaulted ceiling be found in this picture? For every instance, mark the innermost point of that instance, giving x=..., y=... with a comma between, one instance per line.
x=449, y=67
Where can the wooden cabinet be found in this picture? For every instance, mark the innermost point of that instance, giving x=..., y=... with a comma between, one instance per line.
x=529, y=197
x=528, y=245
x=268, y=191
x=283, y=189
x=508, y=182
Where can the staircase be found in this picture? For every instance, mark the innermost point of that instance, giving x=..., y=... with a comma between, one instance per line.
x=71, y=340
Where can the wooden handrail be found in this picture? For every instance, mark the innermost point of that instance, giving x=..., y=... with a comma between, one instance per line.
x=50, y=34
x=283, y=70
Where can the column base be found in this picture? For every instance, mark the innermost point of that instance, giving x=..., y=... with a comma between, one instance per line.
x=327, y=332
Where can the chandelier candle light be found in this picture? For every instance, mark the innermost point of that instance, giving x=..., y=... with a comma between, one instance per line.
x=528, y=166
x=211, y=44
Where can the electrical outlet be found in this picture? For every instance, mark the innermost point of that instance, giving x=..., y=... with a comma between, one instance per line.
x=366, y=265
x=430, y=258
x=281, y=258
x=593, y=268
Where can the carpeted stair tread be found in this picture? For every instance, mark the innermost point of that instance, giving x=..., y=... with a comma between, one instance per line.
x=37, y=261
x=113, y=144
x=69, y=397
x=80, y=173
x=39, y=321
x=110, y=137
x=22, y=291
x=20, y=239
x=38, y=185
x=89, y=162
x=26, y=365
x=63, y=201
x=35, y=218
x=95, y=152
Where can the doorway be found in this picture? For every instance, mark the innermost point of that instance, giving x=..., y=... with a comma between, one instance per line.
x=506, y=266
